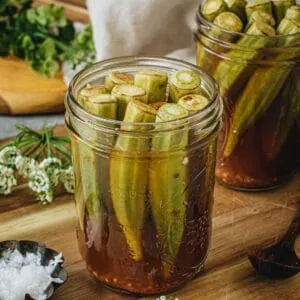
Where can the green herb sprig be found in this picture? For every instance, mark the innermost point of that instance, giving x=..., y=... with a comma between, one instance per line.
x=42, y=36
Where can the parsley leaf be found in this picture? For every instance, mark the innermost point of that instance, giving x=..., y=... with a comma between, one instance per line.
x=42, y=36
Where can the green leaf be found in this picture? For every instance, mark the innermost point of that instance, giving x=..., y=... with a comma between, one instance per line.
x=82, y=49
x=44, y=59
x=49, y=16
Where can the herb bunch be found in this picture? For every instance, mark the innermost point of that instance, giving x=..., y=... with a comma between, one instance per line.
x=41, y=158
x=42, y=36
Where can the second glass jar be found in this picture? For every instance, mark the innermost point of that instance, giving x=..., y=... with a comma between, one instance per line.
x=259, y=80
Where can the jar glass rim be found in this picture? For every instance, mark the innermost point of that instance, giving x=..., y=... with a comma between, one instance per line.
x=200, y=18
x=76, y=109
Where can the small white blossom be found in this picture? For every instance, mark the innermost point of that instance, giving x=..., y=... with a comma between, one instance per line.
x=67, y=178
x=39, y=181
x=45, y=197
x=8, y=155
x=52, y=166
x=25, y=165
x=7, y=180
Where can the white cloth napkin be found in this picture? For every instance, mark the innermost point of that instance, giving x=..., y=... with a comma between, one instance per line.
x=143, y=27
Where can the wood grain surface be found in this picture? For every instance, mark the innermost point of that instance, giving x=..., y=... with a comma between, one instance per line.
x=22, y=91
x=240, y=221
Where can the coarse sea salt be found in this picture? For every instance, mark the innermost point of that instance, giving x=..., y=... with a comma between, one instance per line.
x=21, y=275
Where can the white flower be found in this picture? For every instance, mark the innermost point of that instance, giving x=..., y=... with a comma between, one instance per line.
x=39, y=181
x=45, y=197
x=51, y=163
x=8, y=155
x=7, y=180
x=68, y=179
x=25, y=165
x=52, y=166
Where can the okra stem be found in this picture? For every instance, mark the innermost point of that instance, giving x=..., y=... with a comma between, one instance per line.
x=193, y=102
x=261, y=16
x=102, y=105
x=89, y=91
x=229, y=21
x=154, y=83
x=212, y=8
x=117, y=78
x=183, y=82
x=258, y=5
x=124, y=94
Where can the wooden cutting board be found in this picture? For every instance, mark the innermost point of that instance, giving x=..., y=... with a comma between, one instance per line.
x=240, y=220
x=22, y=91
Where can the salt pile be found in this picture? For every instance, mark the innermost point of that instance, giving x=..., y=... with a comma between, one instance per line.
x=21, y=275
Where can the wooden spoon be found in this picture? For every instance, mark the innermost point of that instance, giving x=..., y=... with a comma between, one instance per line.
x=280, y=259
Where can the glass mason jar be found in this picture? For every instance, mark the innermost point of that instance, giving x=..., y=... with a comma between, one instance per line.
x=144, y=216
x=259, y=80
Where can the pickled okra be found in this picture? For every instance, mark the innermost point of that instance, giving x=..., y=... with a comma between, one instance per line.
x=229, y=21
x=280, y=7
x=212, y=8
x=167, y=185
x=129, y=177
x=267, y=83
x=229, y=73
x=117, y=78
x=257, y=72
x=154, y=83
x=258, y=5
x=261, y=16
x=142, y=186
x=193, y=102
x=183, y=82
x=290, y=112
x=237, y=7
x=226, y=20
x=124, y=94
x=89, y=91
x=97, y=103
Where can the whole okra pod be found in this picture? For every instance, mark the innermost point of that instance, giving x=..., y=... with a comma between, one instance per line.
x=167, y=185
x=129, y=176
x=93, y=177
